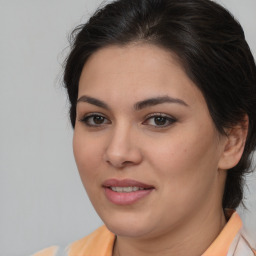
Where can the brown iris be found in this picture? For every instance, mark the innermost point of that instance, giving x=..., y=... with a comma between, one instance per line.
x=159, y=120
x=98, y=119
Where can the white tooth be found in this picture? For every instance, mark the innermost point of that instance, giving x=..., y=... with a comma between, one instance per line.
x=119, y=189
x=116, y=189
x=125, y=189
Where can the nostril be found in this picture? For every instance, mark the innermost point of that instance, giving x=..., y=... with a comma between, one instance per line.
x=122, y=157
x=120, y=164
x=127, y=163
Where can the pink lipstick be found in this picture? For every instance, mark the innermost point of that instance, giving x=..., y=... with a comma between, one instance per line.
x=125, y=192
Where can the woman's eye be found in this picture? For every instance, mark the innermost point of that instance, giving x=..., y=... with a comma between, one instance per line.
x=159, y=121
x=95, y=120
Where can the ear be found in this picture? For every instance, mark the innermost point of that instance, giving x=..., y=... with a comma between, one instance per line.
x=234, y=145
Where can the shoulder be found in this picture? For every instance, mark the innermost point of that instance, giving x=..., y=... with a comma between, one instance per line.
x=100, y=242
x=240, y=245
x=231, y=240
x=51, y=251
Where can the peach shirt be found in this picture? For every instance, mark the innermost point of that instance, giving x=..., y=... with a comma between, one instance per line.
x=100, y=243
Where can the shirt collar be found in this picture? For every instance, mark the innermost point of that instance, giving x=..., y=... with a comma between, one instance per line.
x=101, y=241
x=221, y=244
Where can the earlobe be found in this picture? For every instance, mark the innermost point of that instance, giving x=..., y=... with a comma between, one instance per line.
x=234, y=145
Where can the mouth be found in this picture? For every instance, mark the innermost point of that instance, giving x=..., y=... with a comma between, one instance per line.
x=126, y=189
x=126, y=192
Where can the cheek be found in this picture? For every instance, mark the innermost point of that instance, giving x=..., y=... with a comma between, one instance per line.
x=193, y=146
x=186, y=163
x=174, y=153
x=87, y=153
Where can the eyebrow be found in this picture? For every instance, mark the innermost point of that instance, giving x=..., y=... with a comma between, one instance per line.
x=137, y=106
x=93, y=101
x=158, y=100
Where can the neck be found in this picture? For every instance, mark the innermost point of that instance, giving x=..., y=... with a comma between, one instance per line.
x=193, y=236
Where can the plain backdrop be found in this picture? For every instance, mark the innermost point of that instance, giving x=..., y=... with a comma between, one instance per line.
x=42, y=200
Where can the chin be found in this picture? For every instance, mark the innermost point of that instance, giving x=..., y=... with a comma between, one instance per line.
x=126, y=230
x=129, y=226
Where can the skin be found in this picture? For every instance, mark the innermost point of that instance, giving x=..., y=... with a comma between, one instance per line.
x=185, y=160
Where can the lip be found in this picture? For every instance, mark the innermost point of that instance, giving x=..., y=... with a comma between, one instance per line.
x=124, y=198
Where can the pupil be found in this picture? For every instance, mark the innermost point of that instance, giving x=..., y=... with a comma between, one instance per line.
x=98, y=119
x=160, y=120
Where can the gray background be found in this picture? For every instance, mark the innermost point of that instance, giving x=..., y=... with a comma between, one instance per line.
x=42, y=199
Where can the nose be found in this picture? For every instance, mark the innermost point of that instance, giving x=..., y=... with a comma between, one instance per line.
x=122, y=148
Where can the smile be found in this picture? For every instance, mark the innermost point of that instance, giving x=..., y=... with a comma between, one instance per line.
x=126, y=192
x=126, y=189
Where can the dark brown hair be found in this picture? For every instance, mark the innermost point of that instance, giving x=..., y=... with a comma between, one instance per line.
x=210, y=45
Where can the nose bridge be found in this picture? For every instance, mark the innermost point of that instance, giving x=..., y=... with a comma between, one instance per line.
x=122, y=148
x=120, y=138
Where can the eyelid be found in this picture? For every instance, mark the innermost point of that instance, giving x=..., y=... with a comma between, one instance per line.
x=92, y=114
x=160, y=114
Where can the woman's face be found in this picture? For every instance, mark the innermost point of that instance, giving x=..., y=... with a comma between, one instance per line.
x=145, y=145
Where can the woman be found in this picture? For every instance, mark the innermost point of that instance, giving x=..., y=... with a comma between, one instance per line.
x=163, y=105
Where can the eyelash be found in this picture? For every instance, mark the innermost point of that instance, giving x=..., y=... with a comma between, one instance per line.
x=87, y=118
x=166, y=118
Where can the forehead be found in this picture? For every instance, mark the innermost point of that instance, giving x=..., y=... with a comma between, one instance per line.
x=136, y=70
